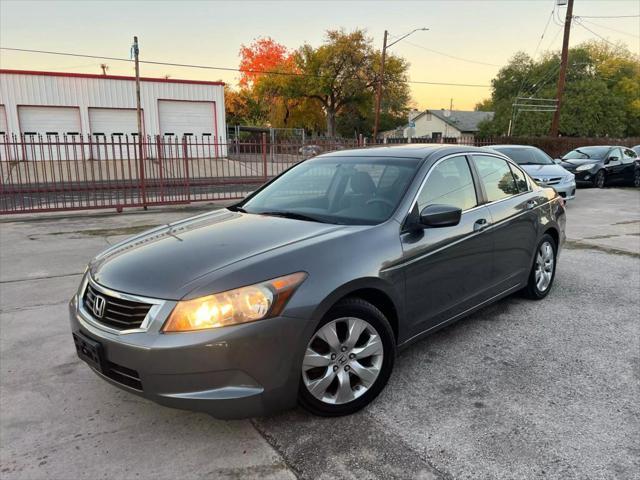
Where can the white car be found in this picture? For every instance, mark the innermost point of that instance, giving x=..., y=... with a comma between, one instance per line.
x=541, y=168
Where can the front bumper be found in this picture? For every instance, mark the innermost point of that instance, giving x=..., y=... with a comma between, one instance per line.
x=231, y=372
x=566, y=190
x=585, y=176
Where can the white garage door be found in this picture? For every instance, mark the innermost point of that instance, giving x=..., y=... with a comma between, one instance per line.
x=49, y=120
x=114, y=133
x=186, y=118
x=3, y=121
x=113, y=121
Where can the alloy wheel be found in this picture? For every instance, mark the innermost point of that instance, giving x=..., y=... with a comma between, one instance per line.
x=600, y=179
x=544, y=266
x=636, y=178
x=342, y=361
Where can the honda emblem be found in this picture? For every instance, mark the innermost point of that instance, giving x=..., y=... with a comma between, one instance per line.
x=99, y=304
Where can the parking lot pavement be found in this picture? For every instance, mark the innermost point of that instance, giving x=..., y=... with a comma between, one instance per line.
x=521, y=389
x=607, y=219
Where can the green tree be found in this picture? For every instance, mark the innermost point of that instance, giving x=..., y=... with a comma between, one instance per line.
x=602, y=93
x=340, y=75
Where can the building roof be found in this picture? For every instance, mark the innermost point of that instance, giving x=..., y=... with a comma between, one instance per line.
x=465, y=121
x=106, y=77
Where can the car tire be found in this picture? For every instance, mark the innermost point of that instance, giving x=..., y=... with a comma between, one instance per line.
x=636, y=178
x=600, y=180
x=538, y=287
x=339, y=366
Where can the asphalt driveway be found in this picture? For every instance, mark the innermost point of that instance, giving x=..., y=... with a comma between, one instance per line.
x=521, y=389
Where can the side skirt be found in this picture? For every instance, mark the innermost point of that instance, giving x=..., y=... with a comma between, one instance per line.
x=460, y=315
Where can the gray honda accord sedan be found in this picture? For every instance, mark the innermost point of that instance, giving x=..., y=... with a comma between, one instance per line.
x=304, y=291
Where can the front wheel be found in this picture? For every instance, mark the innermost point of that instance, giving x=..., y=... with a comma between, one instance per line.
x=600, y=179
x=544, y=269
x=348, y=360
x=636, y=178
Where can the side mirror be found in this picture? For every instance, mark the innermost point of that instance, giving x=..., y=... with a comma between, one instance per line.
x=611, y=159
x=435, y=216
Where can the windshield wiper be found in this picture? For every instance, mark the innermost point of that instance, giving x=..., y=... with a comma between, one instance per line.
x=294, y=216
x=236, y=208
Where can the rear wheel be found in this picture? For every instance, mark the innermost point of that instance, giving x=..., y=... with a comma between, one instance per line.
x=600, y=179
x=544, y=269
x=348, y=360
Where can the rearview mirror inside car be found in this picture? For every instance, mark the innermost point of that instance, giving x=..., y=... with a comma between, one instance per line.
x=435, y=216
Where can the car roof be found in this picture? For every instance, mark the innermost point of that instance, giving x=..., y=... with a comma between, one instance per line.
x=414, y=150
x=508, y=145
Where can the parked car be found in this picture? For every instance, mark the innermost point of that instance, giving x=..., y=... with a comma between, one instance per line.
x=636, y=149
x=601, y=165
x=310, y=150
x=541, y=168
x=304, y=291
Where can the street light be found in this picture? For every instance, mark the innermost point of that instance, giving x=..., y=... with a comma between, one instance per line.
x=376, y=122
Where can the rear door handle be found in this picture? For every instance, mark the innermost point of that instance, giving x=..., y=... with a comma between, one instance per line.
x=480, y=224
x=531, y=204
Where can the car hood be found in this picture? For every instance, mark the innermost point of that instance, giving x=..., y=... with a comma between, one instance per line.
x=538, y=171
x=161, y=262
x=574, y=162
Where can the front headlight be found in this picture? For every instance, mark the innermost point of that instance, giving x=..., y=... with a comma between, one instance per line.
x=242, y=305
x=569, y=178
x=586, y=166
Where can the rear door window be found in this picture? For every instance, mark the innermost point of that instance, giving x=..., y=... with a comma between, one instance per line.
x=521, y=179
x=496, y=177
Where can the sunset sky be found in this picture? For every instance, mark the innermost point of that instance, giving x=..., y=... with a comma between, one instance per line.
x=210, y=33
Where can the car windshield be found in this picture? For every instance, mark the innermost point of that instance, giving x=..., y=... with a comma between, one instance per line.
x=585, y=153
x=526, y=156
x=351, y=191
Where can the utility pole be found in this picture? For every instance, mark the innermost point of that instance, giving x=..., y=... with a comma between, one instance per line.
x=136, y=52
x=555, y=123
x=104, y=68
x=376, y=121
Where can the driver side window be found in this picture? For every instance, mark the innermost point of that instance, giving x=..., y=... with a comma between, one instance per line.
x=616, y=156
x=449, y=183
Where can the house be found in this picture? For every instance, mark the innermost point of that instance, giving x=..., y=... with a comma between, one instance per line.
x=34, y=103
x=438, y=125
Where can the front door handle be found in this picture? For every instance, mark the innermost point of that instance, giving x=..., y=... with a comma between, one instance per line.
x=480, y=224
x=531, y=204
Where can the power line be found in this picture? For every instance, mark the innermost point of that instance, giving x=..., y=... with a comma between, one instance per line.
x=606, y=27
x=226, y=69
x=596, y=34
x=544, y=31
x=452, y=56
x=609, y=16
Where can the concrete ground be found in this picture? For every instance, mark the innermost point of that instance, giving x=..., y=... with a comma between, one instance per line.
x=521, y=389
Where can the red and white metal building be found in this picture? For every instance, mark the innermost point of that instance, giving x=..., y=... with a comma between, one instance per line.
x=51, y=103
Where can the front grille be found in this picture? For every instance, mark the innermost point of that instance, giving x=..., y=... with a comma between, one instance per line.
x=117, y=313
x=549, y=181
x=123, y=375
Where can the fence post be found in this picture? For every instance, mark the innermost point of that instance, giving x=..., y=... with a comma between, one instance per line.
x=185, y=155
x=264, y=155
x=143, y=189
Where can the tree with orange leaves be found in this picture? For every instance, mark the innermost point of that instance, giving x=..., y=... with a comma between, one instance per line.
x=263, y=55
